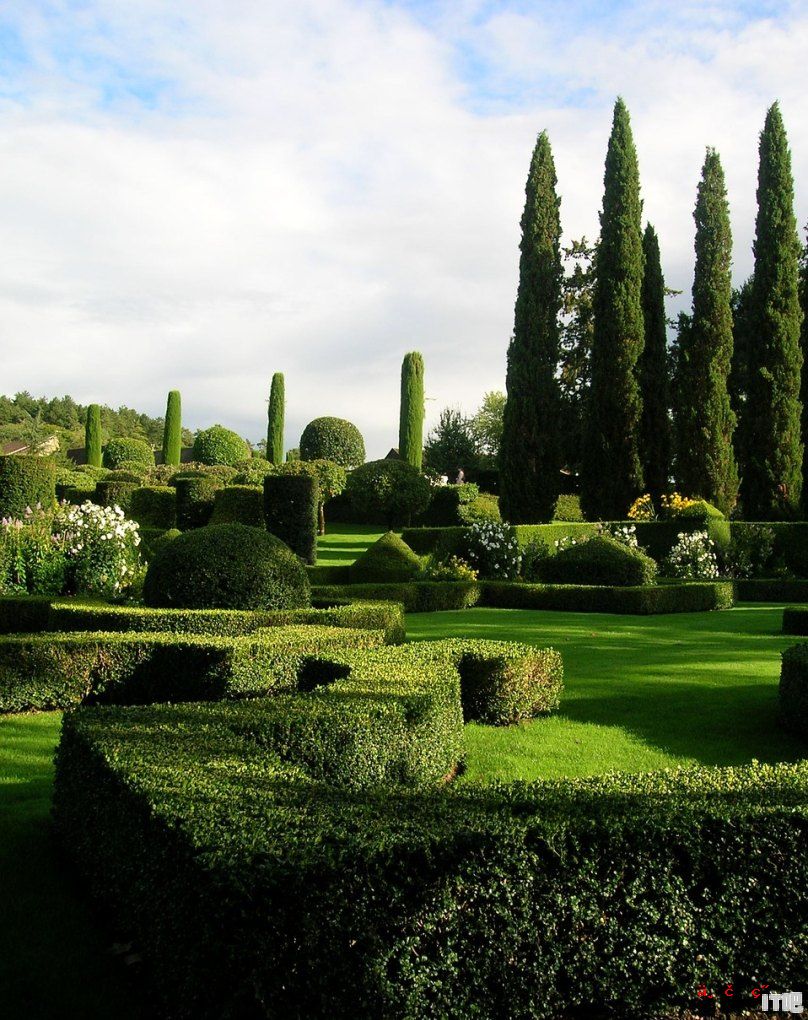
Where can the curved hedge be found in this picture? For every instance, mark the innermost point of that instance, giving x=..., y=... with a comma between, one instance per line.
x=333, y=439
x=226, y=566
x=24, y=483
x=218, y=445
x=119, y=452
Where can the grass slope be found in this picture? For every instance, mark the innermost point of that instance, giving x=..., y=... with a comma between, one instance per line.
x=641, y=692
x=346, y=543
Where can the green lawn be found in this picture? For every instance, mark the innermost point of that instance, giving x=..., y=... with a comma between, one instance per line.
x=339, y=548
x=641, y=692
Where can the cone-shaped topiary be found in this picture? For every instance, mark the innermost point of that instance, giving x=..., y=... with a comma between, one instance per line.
x=530, y=454
x=92, y=436
x=226, y=566
x=275, y=419
x=389, y=559
x=172, y=430
x=411, y=411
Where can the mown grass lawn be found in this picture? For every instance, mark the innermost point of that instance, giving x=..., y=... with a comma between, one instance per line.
x=341, y=545
x=641, y=692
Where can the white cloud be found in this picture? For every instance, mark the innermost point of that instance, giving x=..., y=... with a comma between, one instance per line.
x=196, y=195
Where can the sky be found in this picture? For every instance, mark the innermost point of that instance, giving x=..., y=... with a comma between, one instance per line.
x=195, y=194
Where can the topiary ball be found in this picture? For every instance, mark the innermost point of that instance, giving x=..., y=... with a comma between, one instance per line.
x=389, y=560
x=218, y=445
x=119, y=453
x=226, y=566
x=333, y=439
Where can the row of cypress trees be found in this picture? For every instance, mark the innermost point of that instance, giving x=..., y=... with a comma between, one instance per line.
x=172, y=432
x=630, y=443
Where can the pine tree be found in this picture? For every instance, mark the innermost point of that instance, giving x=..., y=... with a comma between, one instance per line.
x=652, y=370
x=411, y=410
x=611, y=474
x=275, y=419
x=706, y=458
x=92, y=435
x=771, y=487
x=172, y=431
x=530, y=454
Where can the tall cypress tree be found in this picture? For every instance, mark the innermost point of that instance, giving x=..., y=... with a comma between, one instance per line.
x=530, y=454
x=411, y=410
x=706, y=458
x=652, y=370
x=92, y=435
x=804, y=374
x=275, y=419
x=611, y=474
x=172, y=430
x=771, y=487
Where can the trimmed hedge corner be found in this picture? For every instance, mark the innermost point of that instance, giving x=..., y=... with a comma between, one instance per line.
x=793, y=691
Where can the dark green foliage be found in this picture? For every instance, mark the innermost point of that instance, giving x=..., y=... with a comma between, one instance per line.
x=795, y=620
x=92, y=436
x=388, y=490
x=226, y=566
x=154, y=506
x=763, y=590
x=128, y=451
x=743, y=337
x=24, y=613
x=599, y=560
x=705, y=458
x=414, y=596
x=793, y=692
x=389, y=560
x=116, y=492
x=253, y=472
x=804, y=374
x=329, y=476
x=643, y=600
x=771, y=487
x=241, y=504
x=152, y=540
x=333, y=439
x=445, y=505
x=578, y=890
x=172, y=429
x=50, y=671
x=291, y=505
x=24, y=483
x=575, y=364
x=195, y=500
x=530, y=453
x=411, y=411
x=218, y=445
x=611, y=473
x=275, y=419
x=450, y=445
x=652, y=372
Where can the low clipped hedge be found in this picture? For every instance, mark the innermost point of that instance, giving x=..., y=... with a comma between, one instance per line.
x=329, y=573
x=257, y=887
x=793, y=690
x=779, y=589
x=415, y=596
x=600, y=560
x=61, y=670
x=388, y=560
x=154, y=506
x=239, y=504
x=24, y=613
x=25, y=482
x=795, y=620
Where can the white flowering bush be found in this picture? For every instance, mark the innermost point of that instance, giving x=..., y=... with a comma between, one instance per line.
x=693, y=558
x=101, y=546
x=492, y=550
x=626, y=534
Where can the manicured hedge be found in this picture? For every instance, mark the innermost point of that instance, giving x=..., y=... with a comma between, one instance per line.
x=195, y=495
x=257, y=889
x=444, y=506
x=795, y=620
x=601, y=560
x=793, y=692
x=329, y=573
x=116, y=492
x=790, y=542
x=118, y=452
x=154, y=506
x=415, y=596
x=49, y=671
x=771, y=590
x=239, y=504
x=388, y=561
x=25, y=482
x=333, y=439
x=291, y=505
x=24, y=613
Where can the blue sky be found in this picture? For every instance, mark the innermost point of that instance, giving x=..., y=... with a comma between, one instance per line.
x=198, y=194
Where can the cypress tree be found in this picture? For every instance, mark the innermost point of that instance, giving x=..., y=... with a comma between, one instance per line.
x=771, y=487
x=275, y=419
x=653, y=372
x=804, y=374
x=411, y=410
x=92, y=435
x=530, y=453
x=611, y=474
x=706, y=459
x=172, y=430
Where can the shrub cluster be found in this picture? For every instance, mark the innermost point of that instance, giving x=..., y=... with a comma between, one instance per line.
x=793, y=692
x=391, y=491
x=25, y=483
x=195, y=500
x=154, y=506
x=112, y=492
x=599, y=560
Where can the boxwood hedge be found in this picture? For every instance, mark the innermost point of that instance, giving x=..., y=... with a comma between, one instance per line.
x=794, y=689
x=24, y=482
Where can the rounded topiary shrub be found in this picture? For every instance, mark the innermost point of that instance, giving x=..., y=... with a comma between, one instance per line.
x=218, y=445
x=128, y=452
x=598, y=560
x=241, y=504
x=26, y=482
x=333, y=439
x=388, y=490
x=386, y=561
x=226, y=566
